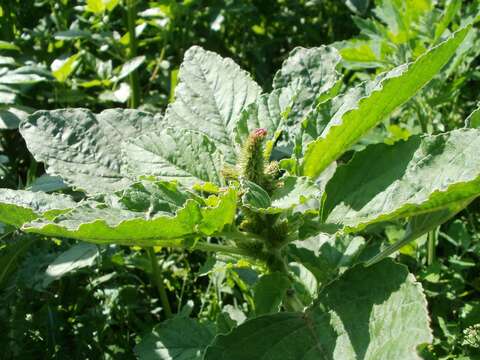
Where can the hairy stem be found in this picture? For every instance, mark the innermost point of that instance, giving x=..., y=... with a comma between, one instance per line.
x=157, y=279
x=134, y=101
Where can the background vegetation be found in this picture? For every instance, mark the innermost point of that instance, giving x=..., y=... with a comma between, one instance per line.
x=109, y=53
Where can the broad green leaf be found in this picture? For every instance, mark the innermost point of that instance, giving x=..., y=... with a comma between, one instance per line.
x=364, y=109
x=175, y=154
x=291, y=192
x=220, y=211
x=412, y=177
x=85, y=148
x=153, y=197
x=368, y=313
x=326, y=256
x=307, y=77
x=77, y=257
x=179, y=338
x=269, y=292
x=209, y=97
x=18, y=207
x=113, y=225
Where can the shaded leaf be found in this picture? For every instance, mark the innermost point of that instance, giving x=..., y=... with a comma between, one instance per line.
x=269, y=292
x=349, y=321
x=179, y=338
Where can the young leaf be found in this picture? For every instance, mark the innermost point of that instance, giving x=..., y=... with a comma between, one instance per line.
x=294, y=191
x=175, y=154
x=179, y=338
x=385, y=319
x=209, y=97
x=420, y=175
x=362, y=110
x=18, y=207
x=85, y=148
x=308, y=76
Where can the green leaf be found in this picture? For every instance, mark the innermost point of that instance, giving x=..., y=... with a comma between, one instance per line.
x=18, y=207
x=473, y=120
x=179, y=338
x=291, y=192
x=175, y=154
x=367, y=106
x=77, y=257
x=307, y=77
x=130, y=66
x=327, y=256
x=385, y=319
x=419, y=225
x=269, y=292
x=5, y=45
x=209, y=97
x=412, y=177
x=62, y=69
x=84, y=148
x=113, y=225
x=220, y=212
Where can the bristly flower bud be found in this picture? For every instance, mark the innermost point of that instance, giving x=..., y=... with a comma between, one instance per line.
x=251, y=161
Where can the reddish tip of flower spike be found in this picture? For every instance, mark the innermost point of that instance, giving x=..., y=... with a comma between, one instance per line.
x=259, y=133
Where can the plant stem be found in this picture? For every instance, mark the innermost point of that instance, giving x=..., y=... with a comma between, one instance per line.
x=134, y=101
x=157, y=279
x=431, y=243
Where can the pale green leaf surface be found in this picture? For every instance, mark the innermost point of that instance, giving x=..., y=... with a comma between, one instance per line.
x=77, y=257
x=269, y=292
x=179, y=338
x=416, y=176
x=386, y=319
x=291, y=192
x=20, y=206
x=364, y=109
x=209, y=97
x=307, y=76
x=175, y=154
x=114, y=225
x=85, y=148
